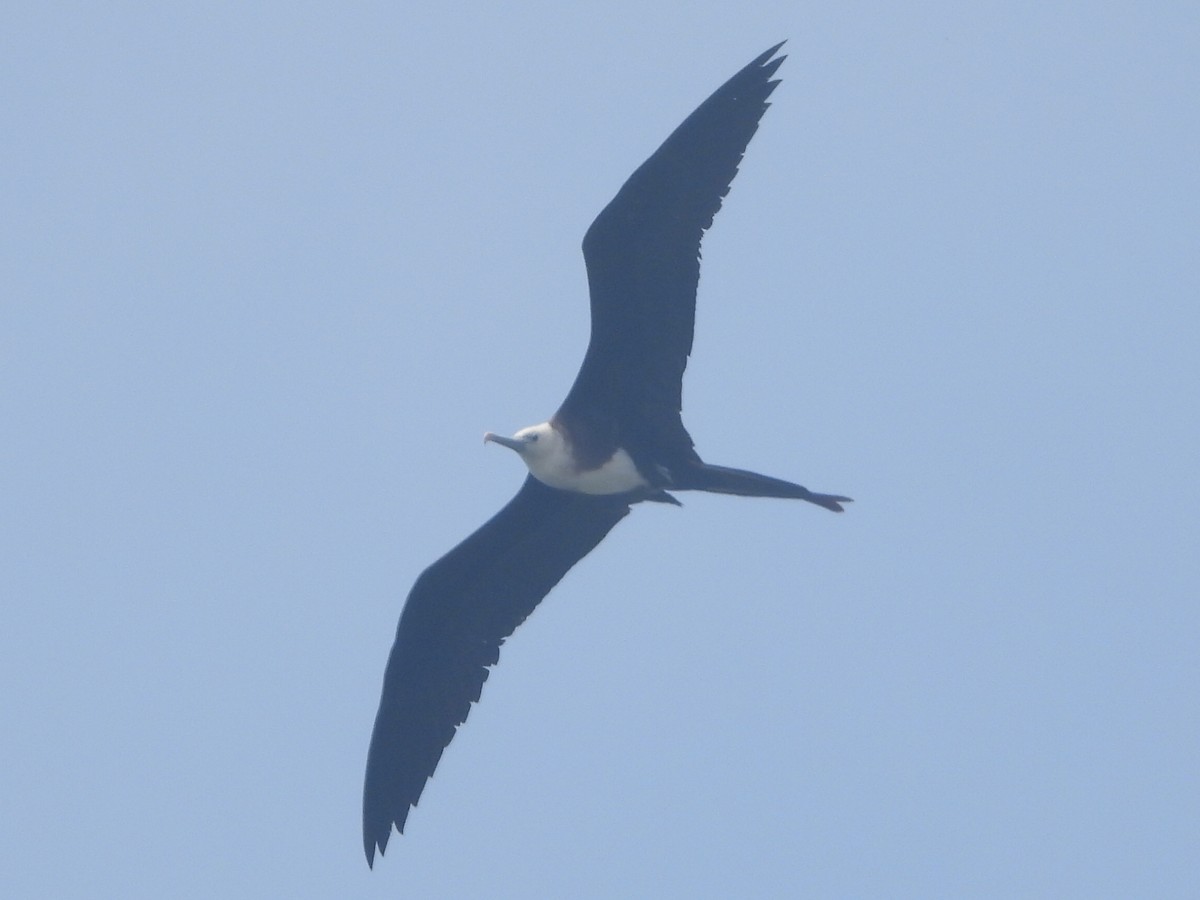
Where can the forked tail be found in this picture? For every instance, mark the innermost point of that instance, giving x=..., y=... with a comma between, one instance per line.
x=723, y=480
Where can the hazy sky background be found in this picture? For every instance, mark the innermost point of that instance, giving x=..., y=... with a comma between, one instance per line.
x=269, y=271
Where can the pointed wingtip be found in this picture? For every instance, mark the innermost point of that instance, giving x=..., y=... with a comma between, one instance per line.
x=769, y=64
x=766, y=55
x=371, y=844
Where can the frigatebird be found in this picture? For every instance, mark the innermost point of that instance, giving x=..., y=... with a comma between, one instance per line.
x=617, y=440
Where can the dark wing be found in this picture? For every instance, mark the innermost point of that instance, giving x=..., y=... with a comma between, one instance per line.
x=458, y=614
x=643, y=261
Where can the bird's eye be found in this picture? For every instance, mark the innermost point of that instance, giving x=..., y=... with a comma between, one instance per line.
x=533, y=438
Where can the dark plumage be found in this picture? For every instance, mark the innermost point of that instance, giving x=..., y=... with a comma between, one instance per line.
x=617, y=440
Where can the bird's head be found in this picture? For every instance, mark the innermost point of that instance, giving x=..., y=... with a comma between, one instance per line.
x=537, y=442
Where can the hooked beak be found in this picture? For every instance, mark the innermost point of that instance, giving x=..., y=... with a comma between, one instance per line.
x=510, y=443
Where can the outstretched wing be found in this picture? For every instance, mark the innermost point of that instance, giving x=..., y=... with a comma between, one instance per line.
x=457, y=615
x=643, y=259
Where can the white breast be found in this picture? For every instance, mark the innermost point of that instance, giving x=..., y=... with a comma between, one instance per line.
x=558, y=470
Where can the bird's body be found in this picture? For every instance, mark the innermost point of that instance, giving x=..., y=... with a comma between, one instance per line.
x=618, y=439
x=554, y=461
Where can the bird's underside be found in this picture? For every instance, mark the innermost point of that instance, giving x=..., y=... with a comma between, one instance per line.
x=617, y=440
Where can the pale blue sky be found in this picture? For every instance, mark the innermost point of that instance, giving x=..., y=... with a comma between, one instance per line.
x=270, y=271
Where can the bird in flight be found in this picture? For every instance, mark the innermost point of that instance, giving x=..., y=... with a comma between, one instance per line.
x=617, y=440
